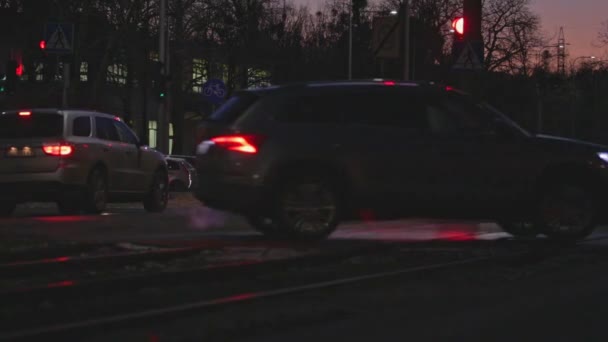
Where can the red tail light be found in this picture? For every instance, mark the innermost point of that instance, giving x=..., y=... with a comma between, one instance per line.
x=25, y=113
x=240, y=143
x=58, y=150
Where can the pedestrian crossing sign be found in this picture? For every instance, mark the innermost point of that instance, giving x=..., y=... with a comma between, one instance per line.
x=59, y=37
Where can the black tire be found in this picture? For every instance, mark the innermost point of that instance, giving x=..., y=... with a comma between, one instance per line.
x=69, y=206
x=306, y=207
x=96, y=193
x=520, y=229
x=157, y=196
x=264, y=225
x=7, y=208
x=567, y=211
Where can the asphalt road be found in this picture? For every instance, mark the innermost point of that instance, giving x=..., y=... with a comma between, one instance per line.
x=557, y=297
x=186, y=221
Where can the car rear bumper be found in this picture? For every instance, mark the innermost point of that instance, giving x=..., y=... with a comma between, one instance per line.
x=231, y=194
x=36, y=190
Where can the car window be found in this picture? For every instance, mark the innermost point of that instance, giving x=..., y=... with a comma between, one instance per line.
x=125, y=133
x=36, y=125
x=387, y=109
x=233, y=108
x=81, y=126
x=453, y=115
x=313, y=109
x=105, y=129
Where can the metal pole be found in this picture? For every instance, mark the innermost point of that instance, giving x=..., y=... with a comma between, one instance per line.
x=406, y=41
x=66, y=84
x=162, y=143
x=350, y=40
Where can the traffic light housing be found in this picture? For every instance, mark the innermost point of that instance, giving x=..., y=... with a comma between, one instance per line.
x=458, y=28
x=159, y=81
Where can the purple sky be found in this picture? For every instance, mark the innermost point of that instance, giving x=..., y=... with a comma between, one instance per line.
x=581, y=20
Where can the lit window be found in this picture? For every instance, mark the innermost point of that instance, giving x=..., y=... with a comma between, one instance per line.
x=84, y=71
x=117, y=73
x=152, y=133
x=39, y=69
x=199, y=74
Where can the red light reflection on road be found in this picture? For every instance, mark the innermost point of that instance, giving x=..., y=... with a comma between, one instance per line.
x=64, y=283
x=64, y=219
x=456, y=235
x=237, y=298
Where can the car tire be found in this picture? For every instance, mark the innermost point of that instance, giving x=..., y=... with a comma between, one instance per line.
x=567, y=211
x=264, y=225
x=157, y=197
x=306, y=207
x=7, y=208
x=520, y=229
x=96, y=193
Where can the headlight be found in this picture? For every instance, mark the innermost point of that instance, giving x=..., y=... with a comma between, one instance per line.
x=603, y=156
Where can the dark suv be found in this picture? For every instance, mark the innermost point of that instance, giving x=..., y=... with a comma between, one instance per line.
x=297, y=159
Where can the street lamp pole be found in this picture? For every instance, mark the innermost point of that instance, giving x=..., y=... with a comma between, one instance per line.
x=350, y=40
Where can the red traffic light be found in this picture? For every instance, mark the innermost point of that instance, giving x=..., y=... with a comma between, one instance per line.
x=458, y=26
x=42, y=45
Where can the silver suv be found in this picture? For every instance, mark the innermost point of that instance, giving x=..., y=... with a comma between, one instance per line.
x=79, y=159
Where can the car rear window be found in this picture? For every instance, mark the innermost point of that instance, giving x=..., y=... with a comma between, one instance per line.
x=35, y=125
x=233, y=108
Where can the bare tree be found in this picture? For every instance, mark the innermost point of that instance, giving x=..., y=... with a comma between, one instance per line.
x=511, y=35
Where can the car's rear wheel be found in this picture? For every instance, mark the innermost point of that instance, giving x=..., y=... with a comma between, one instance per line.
x=7, y=208
x=307, y=207
x=567, y=211
x=520, y=228
x=158, y=194
x=264, y=225
x=96, y=194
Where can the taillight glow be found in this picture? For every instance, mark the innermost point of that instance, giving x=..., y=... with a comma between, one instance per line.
x=389, y=83
x=240, y=143
x=449, y=88
x=58, y=150
x=25, y=113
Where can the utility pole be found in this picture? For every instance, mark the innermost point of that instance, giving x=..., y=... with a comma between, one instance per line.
x=406, y=39
x=162, y=143
x=350, y=40
x=66, y=84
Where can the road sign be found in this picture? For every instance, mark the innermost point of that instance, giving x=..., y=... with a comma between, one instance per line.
x=385, y=37
x=214, y=91
x=59, y=37
x=470, y=57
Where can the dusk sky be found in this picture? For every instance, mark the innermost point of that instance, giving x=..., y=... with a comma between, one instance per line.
x=581, y=20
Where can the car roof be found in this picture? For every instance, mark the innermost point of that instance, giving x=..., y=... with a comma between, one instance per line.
x=345, y=84
x=71, y=111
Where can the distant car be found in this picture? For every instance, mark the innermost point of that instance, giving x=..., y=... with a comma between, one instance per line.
x=79, y=159
x=182, y=175
x=298, y=159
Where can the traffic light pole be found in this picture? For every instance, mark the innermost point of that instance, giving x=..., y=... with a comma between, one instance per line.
x=162, y=143
x=406, y=41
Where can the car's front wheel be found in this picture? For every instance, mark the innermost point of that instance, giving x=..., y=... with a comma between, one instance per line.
x=7, y=208
x=567, y=211
x=307, y=207
x=158, y=194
